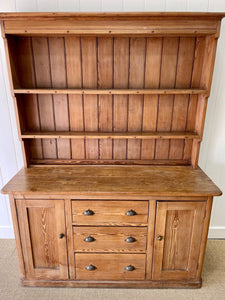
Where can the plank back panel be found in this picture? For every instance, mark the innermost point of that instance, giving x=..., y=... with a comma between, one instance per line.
x=113, y=62
x=76, y=102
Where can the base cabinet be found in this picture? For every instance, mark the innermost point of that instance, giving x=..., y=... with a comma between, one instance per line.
x=178, y=234
x=121, y=246
x=43, y=238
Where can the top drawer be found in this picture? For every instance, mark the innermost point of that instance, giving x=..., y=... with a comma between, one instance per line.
x=104, y=212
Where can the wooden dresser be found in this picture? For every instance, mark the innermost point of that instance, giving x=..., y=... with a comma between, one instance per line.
x=110, y=111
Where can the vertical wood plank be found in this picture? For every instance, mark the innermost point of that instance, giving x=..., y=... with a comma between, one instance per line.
x=17, y=236
x=121, y=77
x=89, y=72
x=167, y=80
x=204, y=237
x=30, y=104
x=195, y=83
x=69, y=230
x=58, y=75
x=152, y=77
x=105, y=80
x=31, y=116
x=43, y=80
x=135, y=104
x=150, y=240
x=180, y=105
x=74, y=80
x=24, y=60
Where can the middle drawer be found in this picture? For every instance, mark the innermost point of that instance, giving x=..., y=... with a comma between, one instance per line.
x=109, y=239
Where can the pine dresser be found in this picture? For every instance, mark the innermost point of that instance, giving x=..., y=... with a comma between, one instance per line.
x=110, y=110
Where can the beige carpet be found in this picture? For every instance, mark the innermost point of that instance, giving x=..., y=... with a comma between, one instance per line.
x=213, y=282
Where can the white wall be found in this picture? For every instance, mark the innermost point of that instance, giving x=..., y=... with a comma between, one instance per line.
x=212, y=156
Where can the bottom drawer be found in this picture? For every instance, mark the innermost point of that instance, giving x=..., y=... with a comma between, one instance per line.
x=110, y=266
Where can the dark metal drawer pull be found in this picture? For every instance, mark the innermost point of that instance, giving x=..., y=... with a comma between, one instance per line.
x=130, y=239
x=88, y=212
x=129, y=268
x=131, y=212
x=159, y=237
x=61, y=235
x=90, y=267
x=89, y=239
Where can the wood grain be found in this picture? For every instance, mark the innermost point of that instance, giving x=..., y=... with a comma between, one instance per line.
x=177, y=222
x=109, y=213
x=109, y=239
x=89, y=72
x=106, y=270
x=120, y=102
x=105, y=80
x=45, y=254
x=75, y=80
x=113, y=180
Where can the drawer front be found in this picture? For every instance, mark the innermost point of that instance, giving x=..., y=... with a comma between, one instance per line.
x=110, y=239
x=98, y=212
x=110, y=266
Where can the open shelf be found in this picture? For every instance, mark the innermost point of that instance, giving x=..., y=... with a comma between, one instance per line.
x=113, y=99
x=112, y=91
x=109, y=135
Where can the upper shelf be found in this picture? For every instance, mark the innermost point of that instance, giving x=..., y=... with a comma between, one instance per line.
x=112, y=91
x=110, y=135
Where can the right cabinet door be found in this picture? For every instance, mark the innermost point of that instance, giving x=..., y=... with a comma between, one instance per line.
x=178, y=234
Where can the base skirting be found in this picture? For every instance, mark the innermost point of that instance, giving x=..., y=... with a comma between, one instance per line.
x=114, y=284
x=216, y=233
x=6, y=232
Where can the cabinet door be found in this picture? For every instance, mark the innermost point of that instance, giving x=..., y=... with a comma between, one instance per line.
x=178, y=233
x=42, y=231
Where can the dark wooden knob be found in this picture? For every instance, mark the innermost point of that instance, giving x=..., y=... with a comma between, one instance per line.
x=61, y=235
x=129, y=268
x=131, y=212
x=130, y=239
x=88, y=212
x=89, y=239
x=90, y=268
x=159, y=237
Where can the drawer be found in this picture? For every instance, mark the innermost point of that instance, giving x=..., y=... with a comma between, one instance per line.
x=98, y=212
x=110, y=266
x=110, y=239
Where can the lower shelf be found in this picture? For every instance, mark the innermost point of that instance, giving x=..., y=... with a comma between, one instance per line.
x=115, y=284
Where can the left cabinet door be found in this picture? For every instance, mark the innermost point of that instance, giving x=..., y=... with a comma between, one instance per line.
x=43, y=237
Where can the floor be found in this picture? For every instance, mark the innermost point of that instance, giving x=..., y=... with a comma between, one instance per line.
x=213, y=287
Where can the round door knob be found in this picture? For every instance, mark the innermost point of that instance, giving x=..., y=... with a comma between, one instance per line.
x=90, y=268
x=159, y=237
x=89, y=239
x=88, y=212
x=131, y=212
x=130, y=239
x=129, y=268
x=61, y=235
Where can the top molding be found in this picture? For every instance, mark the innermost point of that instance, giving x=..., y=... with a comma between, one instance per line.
x=135, y=24
x=157, y=15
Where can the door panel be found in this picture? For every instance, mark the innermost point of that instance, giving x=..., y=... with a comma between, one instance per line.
x=178, y=235
x=41, y=222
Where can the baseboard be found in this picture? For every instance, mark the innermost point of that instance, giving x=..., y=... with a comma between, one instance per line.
x=148, y=284
x=6, y=232
x=216, y=233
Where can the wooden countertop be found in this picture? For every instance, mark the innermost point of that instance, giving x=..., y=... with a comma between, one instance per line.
x=119, y=180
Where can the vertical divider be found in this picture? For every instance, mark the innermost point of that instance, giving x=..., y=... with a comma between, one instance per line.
x=69, y=229
x=150, y=238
